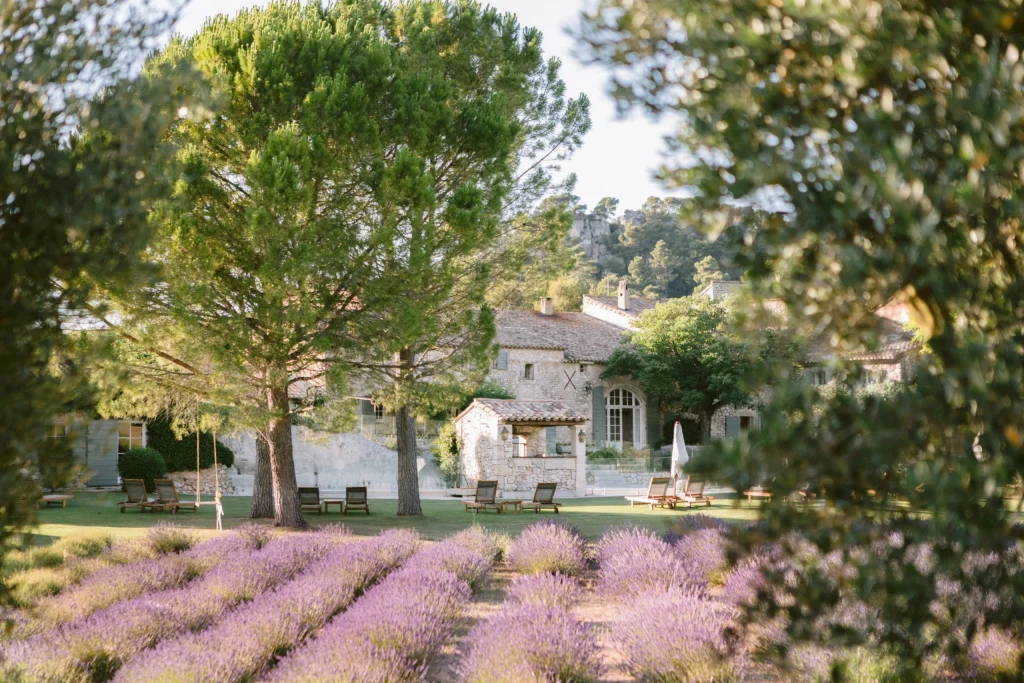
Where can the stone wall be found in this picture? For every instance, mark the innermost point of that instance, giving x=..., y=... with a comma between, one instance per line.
x=334, y=461
x=185, y=482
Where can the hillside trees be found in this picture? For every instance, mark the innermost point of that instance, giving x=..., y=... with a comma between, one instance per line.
x=81, y=163
x=888, y=129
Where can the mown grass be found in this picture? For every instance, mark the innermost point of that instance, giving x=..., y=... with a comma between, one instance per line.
x=92, y=513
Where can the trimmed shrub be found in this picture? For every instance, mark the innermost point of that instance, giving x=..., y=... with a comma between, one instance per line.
x=165, y=538
x=548, y=590
x=446, y=453
x=180, y=454
x=548, y=546
x=142, y=463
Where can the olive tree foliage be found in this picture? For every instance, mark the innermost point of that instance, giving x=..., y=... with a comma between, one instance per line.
x=892, y=131
x=80, y=165
x=495, y=123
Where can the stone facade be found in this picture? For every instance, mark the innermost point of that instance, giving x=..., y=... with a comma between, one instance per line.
x=185, y=482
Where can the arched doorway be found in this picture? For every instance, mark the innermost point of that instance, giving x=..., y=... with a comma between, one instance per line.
x=624, y=419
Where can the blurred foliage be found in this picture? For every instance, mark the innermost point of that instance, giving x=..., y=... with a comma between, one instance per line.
x=80, y=165
x=889, y=135
x=447, y=447
x=179, y=449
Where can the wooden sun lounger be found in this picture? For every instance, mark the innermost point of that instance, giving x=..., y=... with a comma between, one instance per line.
x=693, y=491
x=167, y=498
x=135, y=490
x=355, y=499
x=657, y=494
x=543, y=497
x=309, y=499
x=485, y=497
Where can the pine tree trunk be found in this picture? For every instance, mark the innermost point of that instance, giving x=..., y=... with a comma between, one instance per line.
x=263, y=485
x=405, y=430
x=287, y=510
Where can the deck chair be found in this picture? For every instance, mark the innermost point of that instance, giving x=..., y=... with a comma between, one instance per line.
x=693, y=491
x=167, y=497
x=485, y=497
x=355, y=499
x=657, y=494
x=543, y=497
x=309, y=499
x=135, y=490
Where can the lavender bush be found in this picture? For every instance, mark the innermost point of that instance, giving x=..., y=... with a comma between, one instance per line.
x=549, y=546
x=531, y=642
x=547, y=590
x=633, y=561
x=167, y=537
x=994, y=655
x=467, y=564
x=490, y=545
x=256, y=535
x=687, y=524
x=680, y=638
x=821, y=664
x=275, y=621
x=702, y=554
x=742, y=583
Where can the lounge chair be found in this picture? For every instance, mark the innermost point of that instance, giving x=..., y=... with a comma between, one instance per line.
x=309, y=499
x=543, y=497
x=135, y=490
x=657, y=494
x=355, y=499
x=693, y=491
x=167, y=497
x=485, y=497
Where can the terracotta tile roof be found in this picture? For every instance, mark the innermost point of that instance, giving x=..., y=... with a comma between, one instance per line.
x=894, y=343
x=524, y=410
x=579, y=337
x=636, y=304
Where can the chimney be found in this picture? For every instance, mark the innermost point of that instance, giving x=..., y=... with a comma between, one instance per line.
x=623, y=295
x=547, y=306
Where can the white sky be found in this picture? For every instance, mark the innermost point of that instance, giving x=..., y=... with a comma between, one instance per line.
x=618, y=155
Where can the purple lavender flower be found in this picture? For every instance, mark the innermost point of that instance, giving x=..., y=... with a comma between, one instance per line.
x=465, y=563
x=689, y=523
x=387, y=635
x=688, y=645
x=742, y=583
x=548, y=590
x=477, y=538
x=633, y=561
x=993, y=655
x=702, y=553
x=548, y=546
x=531, y=642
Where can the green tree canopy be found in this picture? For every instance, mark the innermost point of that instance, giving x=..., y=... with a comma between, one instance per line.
x=887, y=128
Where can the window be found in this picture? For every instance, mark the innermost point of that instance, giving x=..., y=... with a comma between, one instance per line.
x=378, y=411
x=872, y=376
x=820, y=376
x=130, y=435
x=623, y=418
x=746, y=422
x=58, y=430
x=528, y=371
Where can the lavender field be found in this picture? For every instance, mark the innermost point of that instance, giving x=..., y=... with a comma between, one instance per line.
x=545, y=605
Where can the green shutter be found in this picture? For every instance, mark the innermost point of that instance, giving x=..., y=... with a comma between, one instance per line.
x=597, y=422
x=502, y=362
x=549, y=433
x=653, y=423
x=732, y=426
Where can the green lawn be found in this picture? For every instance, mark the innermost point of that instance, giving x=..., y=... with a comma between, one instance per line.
x=97, y=512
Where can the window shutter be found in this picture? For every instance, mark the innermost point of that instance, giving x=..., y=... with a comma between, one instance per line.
x=598, y=421
x=653, y=422
x=365, y=407
x=732, y=426
x=502, y=362
x=549, y=433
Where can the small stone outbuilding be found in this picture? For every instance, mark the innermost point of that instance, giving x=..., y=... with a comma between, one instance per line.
x=511, y=440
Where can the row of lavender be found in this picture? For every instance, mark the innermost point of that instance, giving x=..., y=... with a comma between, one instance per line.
x=392, y=633
x=122, y=611
x=535, y=636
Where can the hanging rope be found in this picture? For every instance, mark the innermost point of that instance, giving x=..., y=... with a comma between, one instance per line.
x=216, y=483
x=199, y=496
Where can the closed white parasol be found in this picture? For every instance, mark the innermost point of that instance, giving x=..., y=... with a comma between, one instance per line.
x=679, y=454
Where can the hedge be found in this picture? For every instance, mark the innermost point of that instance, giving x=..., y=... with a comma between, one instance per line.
x=142, y=463
x=181, y=455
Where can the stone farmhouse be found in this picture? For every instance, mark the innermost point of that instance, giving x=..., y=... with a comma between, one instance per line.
x=551, y=362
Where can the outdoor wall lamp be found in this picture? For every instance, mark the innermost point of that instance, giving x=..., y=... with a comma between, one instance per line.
x=504, y=433
x=582, y=437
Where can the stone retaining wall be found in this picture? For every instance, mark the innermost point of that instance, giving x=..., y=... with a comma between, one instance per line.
x=186, y=482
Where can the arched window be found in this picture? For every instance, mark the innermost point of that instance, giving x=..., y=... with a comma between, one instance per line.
x=624, y=418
